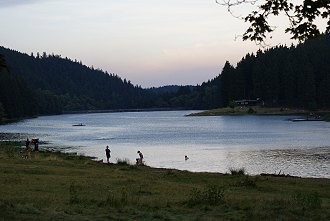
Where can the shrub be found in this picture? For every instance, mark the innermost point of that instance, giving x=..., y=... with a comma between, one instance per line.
x=251, y=111
x=327, y=117
x=232, y=104
x=237, y=172
x=123, y=161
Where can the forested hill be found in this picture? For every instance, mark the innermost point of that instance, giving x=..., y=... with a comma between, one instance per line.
x=298, y=76
x=49, y=84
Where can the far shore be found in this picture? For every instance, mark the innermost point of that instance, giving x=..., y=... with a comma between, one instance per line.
x=258, y=110
x=123, y=110
x=8, y=121
x=238, y=110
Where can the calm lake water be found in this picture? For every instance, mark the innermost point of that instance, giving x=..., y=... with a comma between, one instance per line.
x=260, y=144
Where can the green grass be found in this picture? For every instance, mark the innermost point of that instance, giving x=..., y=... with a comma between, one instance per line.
x=56, y=186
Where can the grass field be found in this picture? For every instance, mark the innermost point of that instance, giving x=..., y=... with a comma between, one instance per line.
x=57, y=186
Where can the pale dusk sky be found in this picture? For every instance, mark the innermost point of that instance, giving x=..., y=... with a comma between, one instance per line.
x=149, y=42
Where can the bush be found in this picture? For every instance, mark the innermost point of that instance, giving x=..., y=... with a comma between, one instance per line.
x=237, y=172
x=327, y=117
x=251, y=111
x=123, y=161
x=232, y=104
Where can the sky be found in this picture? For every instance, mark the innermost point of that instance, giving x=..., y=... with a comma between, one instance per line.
x=152, y=43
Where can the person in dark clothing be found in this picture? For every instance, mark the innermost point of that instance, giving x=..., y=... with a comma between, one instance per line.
x=27, y=143
x=28, y=149
x=36, y=147
x=107, y=153
x=36, y=144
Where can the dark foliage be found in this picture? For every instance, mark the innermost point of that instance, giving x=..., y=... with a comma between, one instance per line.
x=298, y=76
x=49, y=84
x=293, y=77
x=302, y=16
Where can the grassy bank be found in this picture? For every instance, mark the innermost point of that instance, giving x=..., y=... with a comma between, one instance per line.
x=257, y=110
x=55, y=186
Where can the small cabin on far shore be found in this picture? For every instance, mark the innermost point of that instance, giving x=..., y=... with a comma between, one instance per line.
x=246, y=102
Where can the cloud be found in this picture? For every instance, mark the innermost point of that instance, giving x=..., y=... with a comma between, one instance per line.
x=11, y=3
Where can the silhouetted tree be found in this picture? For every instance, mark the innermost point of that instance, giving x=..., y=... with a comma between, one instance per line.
x=281, y=76
x=302, y=16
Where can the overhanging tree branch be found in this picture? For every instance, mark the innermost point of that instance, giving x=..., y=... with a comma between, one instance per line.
x=302, y=17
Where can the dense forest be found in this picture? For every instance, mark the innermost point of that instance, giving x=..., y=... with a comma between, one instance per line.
x=49, y=84
x=296, y=76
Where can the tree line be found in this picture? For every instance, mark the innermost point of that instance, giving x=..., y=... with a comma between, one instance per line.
x=296, y=76
x=40, y=84
x=49, y=84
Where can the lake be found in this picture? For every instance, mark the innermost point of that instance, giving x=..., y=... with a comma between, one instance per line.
x=260, y=144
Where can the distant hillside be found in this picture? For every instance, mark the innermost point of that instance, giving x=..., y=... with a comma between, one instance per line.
x=48, y=84
x=165, y=89
x=171, y=89
x=298, y=76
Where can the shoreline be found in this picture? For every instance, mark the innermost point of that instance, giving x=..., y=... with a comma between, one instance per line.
x=263, y=111
x=20, y=144
x=8, y=121
x=58, y=186
x=122, y=110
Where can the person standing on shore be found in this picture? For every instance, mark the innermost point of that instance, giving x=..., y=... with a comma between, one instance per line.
x=27, y=143
x=28, y=149
x=107, y=153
